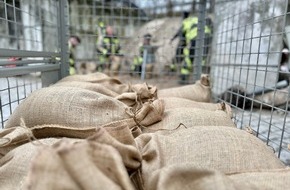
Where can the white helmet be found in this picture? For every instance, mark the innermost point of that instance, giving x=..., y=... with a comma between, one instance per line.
x=285, y=50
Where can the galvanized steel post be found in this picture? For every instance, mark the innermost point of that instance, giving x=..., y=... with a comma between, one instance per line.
x=199, y=45
x=63, y=35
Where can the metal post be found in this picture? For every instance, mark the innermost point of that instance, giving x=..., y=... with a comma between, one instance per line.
x=63, y=33
x=143, y=72
x=199, y=41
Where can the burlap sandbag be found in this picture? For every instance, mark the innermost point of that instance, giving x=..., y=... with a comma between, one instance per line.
x=174, y=102
x=273, y=98
x=200, y=91
x=138, y=93
x=111, y=83
x=13, y=137
x=228, y=150
x=92, y=77
x=74, y=107
x=96, y=87
x=151, y=112
x=14, y=166
x=85, y=165
x=126, y=93
x=185, y=177
x=190, y=117
x=270, y=179
x=88, y=165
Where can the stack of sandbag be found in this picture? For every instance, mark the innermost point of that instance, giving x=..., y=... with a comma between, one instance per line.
x=67, y=158
x=206, y=158
x=95, y=132
x=199, y=91
x=83, y=104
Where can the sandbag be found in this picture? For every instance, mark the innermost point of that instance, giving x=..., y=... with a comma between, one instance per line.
x=190, y=117
x=85, y=165
x=118, y=136
x=228, y=150
x=269, y=179
x=96, y=87
x=68, y=106
x=75, y=107
x=200, y=91
x=181, y=176
x=174, y=102
x=126, y=93
x=13, y=137
x=92, y=77
x=14, y=166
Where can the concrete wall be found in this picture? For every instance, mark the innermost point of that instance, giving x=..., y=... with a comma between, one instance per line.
x=248, y=35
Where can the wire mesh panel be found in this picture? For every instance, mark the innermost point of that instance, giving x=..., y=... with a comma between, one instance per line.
x=31, y=38
x=142, y=47
x=250, y=67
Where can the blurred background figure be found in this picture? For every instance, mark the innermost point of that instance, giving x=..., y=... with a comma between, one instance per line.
x=284, y=66
x=73, y=42
x=190, y=31
x=138, y=59
x=181, y=43
x=107, y=48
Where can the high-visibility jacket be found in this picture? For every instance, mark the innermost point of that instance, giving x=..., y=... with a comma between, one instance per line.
x=72, y=69
x=189, y=27
x=110, y=46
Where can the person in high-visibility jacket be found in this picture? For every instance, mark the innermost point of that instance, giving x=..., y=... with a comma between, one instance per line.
x=181, y=44
x=109, y=46
x=73, y=42
x=191, y=31
x=138, y=59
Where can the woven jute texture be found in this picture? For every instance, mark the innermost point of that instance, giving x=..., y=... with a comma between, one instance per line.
x=92, y=77
x=269, y=179
x=75, y=107
x=200, y=91
x=68, y=106
x=14, y=166
x=111, y=152
x=96, y=87
x=13, y=137
x=82, y=165
x=174, y=102
x=190, y=117
x=228, y=150
x=181, y=176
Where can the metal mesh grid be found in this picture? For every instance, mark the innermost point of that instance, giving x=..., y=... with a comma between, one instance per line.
x=30, y=42
x=249, y=38
x=13, y=90
x=131, y=20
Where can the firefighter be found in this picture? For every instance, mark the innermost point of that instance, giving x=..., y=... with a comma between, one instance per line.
x=73, y=42
x=107, y=48
x=138, y=59
x=181, y=44
x=189, y=27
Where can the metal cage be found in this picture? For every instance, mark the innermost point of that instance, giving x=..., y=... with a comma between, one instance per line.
x=242, y=53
